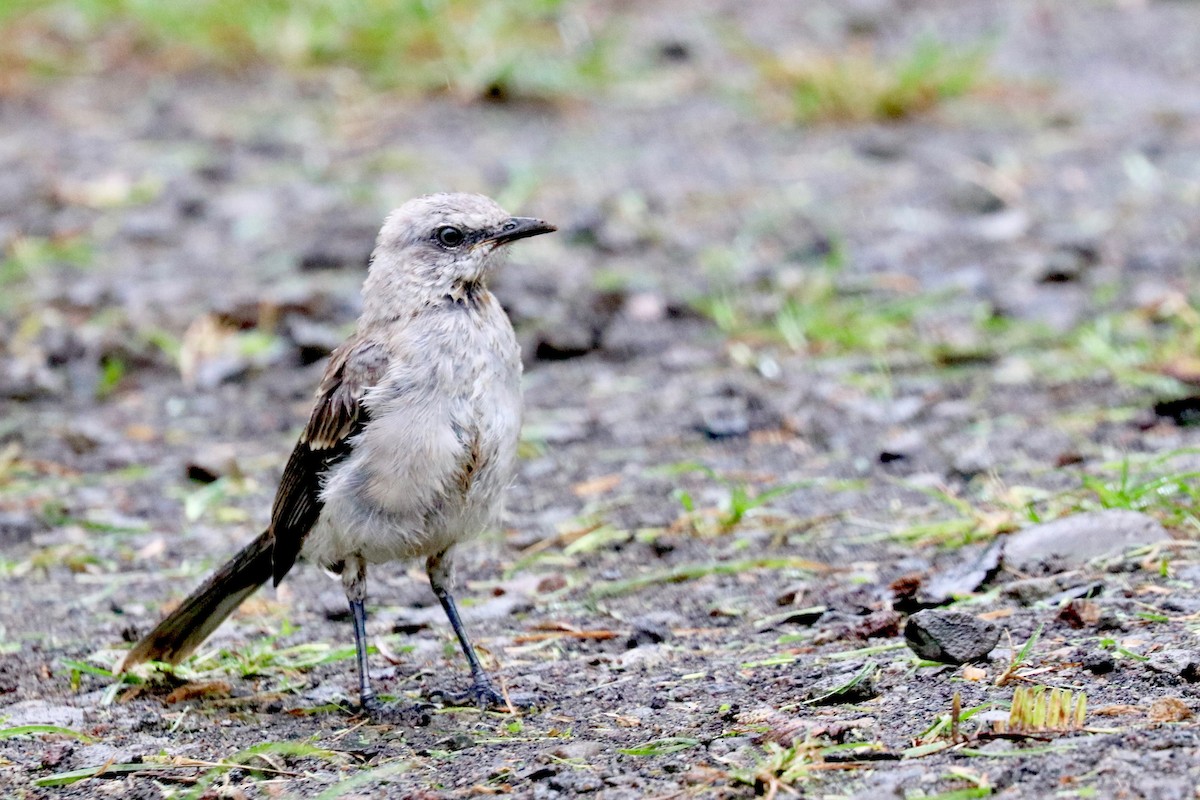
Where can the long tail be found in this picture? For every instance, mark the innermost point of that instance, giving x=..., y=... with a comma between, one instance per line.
x=174, y=639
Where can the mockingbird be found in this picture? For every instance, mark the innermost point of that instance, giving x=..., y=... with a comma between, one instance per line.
x=412, y=438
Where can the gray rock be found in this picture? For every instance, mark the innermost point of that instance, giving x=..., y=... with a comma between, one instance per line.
x=17, y=527
x=901, y=445
x=723, y=417
x=652, y=628
x=842, y=687
x=1031, y=590
x=1060, y=266
x=212, y=462
x=1075, y=540
x=343, y=245
x=315, y=340
x=562, y=337
x=961, y=580
x=1180, y=663
x=582, y=749
x=37, y=712
x=27, y=379
x=970, y=197
x=882, y=144
x=950, y=637
x=1098, y=662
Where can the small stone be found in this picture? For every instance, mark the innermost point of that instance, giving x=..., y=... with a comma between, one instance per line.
x=551, y=583
x=37, y=712
x=653, y=628
x=1075, y=540
x=1060, y=266
x=28, y=379
x=54, y=754
x=884, y=623
x=1099, y=662
x=843, y=688
x=455, y=742
x=564, y=338
x=724, y=418
x=901, y=445
x=674, y=50
x=970, y=197
x=314, y=340
x=348, y=247
x=1031, y=590
x=974, y=459
x=1080, y=613
x=1180, y=663
x=959, y=581
x=582, y=749
x=881, y=144
x=950, y=637
x=211, y=463
x=17, y=527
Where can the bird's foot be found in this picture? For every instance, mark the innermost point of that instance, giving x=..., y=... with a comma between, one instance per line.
x=484, y=695
x=412, y=715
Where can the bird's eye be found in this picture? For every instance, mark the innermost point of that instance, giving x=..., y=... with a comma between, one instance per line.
x=449, y=236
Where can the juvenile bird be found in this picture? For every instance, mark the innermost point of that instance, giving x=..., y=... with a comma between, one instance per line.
x=412, y=438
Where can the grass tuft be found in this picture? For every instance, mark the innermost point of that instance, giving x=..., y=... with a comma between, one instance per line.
x=1037, y=709
x=480, y=48
x=859, y=86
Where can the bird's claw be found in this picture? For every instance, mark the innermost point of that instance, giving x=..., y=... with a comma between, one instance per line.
x=484, y=695
x=415, y=715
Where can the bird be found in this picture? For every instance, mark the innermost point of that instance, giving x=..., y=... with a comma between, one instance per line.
x=411, y=441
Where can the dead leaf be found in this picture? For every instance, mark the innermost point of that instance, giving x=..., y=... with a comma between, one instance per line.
x=970, y=673
x=540, y=637
x=1117, y=710
x=999, y=613
x=196, y=691
x=153, y=549
x=551, y=583
x=596, y=486
x=1183, y=368
x=1169, y=709
x=140, y=432
x=1080, y=613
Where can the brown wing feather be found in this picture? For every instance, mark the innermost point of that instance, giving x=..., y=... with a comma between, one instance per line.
x=337, y=415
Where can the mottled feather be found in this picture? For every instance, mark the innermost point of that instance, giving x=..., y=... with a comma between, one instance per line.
x=337, y=415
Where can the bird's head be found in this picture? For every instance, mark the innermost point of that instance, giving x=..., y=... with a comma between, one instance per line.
x=444, y=242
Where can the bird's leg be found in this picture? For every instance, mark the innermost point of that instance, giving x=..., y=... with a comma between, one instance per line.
x=354, y=581
x=482, y=693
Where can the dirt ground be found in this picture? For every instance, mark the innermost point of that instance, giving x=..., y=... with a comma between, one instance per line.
x=715, y=538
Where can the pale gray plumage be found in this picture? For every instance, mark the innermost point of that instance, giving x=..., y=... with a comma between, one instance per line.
x=413, y=437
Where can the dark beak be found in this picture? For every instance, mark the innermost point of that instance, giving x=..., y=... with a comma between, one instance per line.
x=520, y=228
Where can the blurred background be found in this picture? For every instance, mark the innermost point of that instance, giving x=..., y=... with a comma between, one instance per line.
x=841, y=287
x=911, y=180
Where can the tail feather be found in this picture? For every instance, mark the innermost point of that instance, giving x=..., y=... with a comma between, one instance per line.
x=185, y=628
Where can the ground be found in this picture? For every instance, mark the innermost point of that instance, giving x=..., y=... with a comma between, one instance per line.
x=790, y=377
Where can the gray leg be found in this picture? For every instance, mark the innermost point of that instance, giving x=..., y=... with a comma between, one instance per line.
x=354, y=581
x=482, y=693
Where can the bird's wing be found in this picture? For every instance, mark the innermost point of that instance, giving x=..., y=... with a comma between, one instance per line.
x=337, y=415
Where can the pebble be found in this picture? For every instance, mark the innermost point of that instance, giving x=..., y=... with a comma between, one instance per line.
x=1099, y=662
x=16, y=527
x=1180, y=663
x=212, y=462
x=950, y=637
x=837, y=688
x=652, y=628
x=1075, y=540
